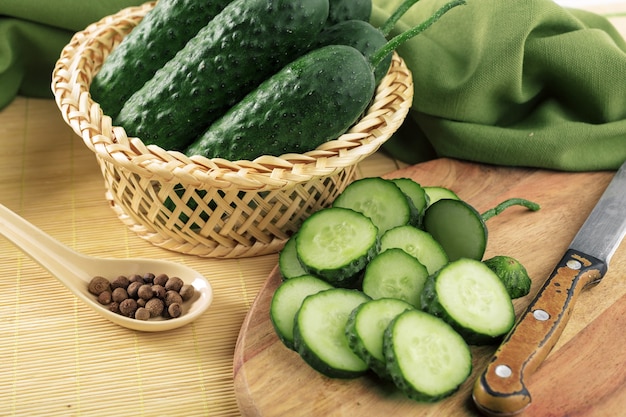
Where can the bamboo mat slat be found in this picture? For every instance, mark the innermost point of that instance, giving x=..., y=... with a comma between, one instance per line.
x=61, y=359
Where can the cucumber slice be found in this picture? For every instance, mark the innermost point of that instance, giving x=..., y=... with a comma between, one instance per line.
x=425, y=357
x=512, y=274
x=287, y=300
x=366, y=327
x=417, y=198
x=416, y=193
x=439, y=193
x=395, y=274
x=379, y=199
x=288, y=263
x=319, y=332
x=417, y=243
x=472, y=299
x=336, y=243
x=458, y=227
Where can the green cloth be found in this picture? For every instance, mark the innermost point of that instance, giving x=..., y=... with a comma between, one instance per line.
x=32, y=35
x=516, y=82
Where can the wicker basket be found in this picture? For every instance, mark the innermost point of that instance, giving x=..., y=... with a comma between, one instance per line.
x=213, y=207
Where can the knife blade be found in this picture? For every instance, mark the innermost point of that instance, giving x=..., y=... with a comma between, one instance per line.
x=500, y=389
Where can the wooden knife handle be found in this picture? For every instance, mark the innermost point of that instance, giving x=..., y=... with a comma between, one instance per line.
x=500, y=389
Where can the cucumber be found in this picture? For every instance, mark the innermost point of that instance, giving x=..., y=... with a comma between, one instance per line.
x=229, y=57
x=341, y=10
x=311, y=100
x=458, y=227
x=366, y=327
x=472, y=299
x=512, y=274
x=288, y=263
x=379, y=199
x=319, y=332
x=417, y=196
x=395, y=274
x=362, y=36
x=417, y=243
x=162, y=32
x=336, y=243
x=438, y=193
x=425, y=357
x=287, y=300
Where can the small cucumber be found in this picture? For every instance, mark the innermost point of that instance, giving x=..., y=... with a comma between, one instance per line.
x=336, y=243
x=287, y=300
x=319, y=332
x=162, y=32
x=458, y=227
x=362, y=36
x=380, y=200
x=366, y=328
x=288, y=263
x=311, y=100
x=341, y=10
x=472, y=299
x=229, y=57
x=425, y=357
x=394, y=273
x=417, y=243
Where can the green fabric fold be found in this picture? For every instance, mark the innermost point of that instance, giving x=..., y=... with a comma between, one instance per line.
x=516, y=82
x=521, y=82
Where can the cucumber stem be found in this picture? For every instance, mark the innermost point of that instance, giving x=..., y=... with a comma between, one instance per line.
x=395, y=16
x=398, y=40
x=509, y=203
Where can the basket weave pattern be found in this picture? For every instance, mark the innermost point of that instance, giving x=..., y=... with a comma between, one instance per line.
x=213, y=207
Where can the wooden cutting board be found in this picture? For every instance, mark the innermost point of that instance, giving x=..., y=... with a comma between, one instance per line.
x=584, y=375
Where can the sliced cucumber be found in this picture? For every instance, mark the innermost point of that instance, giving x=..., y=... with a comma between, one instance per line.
x=288, y=263
x=379, y=199
x=439, y=193
x=394, y=273
x=319, y=332
x=366, y=327
x=425, y=357
x=415, y=192
x=458, y=227
x=472, y=299
x=287, y=300
x=512, y=274
x=336, y=243
x=417, y=243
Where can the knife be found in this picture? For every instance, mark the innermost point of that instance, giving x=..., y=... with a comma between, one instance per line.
x=500, y=389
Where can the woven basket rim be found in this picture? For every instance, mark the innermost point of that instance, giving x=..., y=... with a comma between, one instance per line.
x=76, y=67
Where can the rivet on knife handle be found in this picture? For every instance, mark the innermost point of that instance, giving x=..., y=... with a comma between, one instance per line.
x=500, y=390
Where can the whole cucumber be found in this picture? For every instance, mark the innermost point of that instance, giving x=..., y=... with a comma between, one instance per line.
x=243, y=45
x=311, y=100
x=341, y=10
x=360, y=35
x=162, y=32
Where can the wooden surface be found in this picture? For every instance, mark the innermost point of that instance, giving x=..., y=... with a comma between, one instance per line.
x=584, y=375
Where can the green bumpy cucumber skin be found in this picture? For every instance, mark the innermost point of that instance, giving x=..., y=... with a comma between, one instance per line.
x=341, y=10
x=313, y=99
x=360, y=35
x=162, y=32
x=229, y=57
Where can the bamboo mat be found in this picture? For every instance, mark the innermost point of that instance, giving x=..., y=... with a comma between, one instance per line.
x=61, y=359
